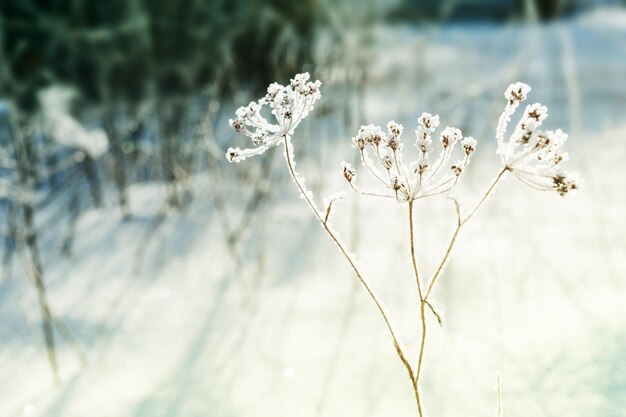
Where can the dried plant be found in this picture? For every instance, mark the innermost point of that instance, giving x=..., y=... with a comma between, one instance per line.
x=529, y=154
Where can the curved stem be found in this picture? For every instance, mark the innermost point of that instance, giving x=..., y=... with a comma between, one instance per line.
x=401, y=169
x=445, y=152
x=431, y=191
x=487, y=193
x=364, y=159
x=346, y=253
x=533, y=184
x=368, y=193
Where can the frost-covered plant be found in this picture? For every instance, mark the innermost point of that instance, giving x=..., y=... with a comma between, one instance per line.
x=289, y=105
x=531, y=155
x=418, y=179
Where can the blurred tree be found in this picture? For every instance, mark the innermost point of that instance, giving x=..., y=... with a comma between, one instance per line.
x=273, y=39
x=121, y=54
x=552, y=9
x=124, y=49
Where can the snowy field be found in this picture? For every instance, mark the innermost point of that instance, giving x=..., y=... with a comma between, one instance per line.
x=176, y=321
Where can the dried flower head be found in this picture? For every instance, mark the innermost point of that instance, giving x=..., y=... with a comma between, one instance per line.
x=449, y=136
x=395, y=129
x=347, y=171
x=428, y=121
x=517, y=92
x=419, y=178
x=532, y=155
x=289, y=105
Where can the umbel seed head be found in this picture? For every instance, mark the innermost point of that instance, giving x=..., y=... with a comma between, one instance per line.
x=419, y=178
x=533, y=155
x=289, y=105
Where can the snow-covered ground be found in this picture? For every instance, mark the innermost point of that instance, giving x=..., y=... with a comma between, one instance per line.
x=173, y=324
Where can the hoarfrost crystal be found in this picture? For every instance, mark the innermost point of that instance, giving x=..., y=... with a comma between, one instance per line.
x=289, y=105
x=418, y=179
x=532, y=155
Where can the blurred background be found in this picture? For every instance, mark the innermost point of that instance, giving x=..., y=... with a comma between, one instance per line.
x=142, y=275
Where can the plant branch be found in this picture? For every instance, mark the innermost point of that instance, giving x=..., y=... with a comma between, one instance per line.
x=346, y=253
x=418, y=371
x=413, y=260
x=460, y=222
x=435, y=312
x=422, y=316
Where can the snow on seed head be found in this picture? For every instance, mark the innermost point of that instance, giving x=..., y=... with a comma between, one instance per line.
x=536, y=111
x=449, y=136
x=428, y=121
x=347, y=171
x=517, y=92
x=532, y=155
x=408, y=181
x=395, y=129
x=288, y=104
x=469, y=145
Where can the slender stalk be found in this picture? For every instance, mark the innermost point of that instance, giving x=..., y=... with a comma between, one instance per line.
x=417, y=393
x=460, y=222
x=444, y=259
x=346, y=253
x=487, y=193
x=418, y=370
x=413, y=260
x=322, y=217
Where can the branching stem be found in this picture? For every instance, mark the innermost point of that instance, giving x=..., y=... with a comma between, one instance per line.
x=346, y=253
x=460, y=223
x=416, y=380
x=424, y=297
x=323, y=218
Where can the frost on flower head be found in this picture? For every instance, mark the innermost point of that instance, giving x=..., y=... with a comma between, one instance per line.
x=347, y=171
x=428, y=121
x=418, y=179
x=289, y=105
x=532, y=155
x=517, y=92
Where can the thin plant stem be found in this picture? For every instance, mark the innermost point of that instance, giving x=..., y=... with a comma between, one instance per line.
x=424, y=298
x=413, y=260
x=416, y=381
x=346, y=253
x=460, y=223
x=418, y=371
